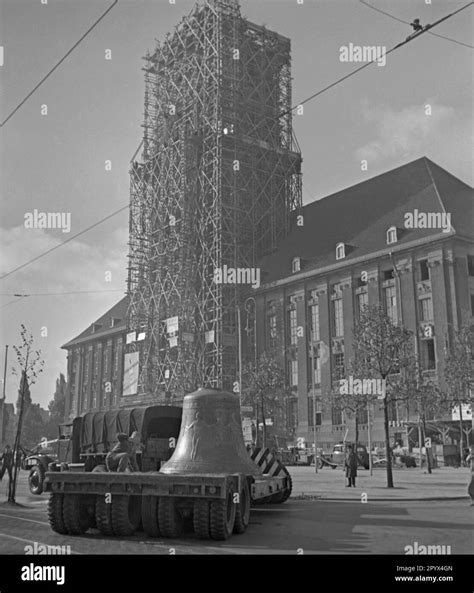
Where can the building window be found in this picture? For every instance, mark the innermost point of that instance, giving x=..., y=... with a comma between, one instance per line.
x=293, y=327
x=338, y=317
x=388, y=274
x=470, y=265
x=362, y=416
x=336, y=416
x=428, y=357
x=316, y=370
x=426, y=309
x=362, y=302
x=272, y=331
x=340, y=251
x=391, y=303
x=296, y=265
x=423, y=270
x=319, y=415
x=392, y=235
x=472, y=304
x=339, y=370
x=314, y=320
x=293, y=373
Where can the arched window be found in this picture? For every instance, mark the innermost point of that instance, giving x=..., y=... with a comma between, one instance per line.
x=392, y=235
x=340, y=251
x=296, y=265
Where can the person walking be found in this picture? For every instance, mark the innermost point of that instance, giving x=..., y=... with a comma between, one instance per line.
x=470, y=488
x=7, y=462
x=351, y=467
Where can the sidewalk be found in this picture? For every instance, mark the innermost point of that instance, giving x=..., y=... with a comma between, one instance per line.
x=446, y=483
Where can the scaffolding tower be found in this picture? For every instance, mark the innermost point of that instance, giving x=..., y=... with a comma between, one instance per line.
x=217, y=182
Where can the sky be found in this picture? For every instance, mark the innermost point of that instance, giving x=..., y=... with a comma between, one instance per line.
x=55, y=162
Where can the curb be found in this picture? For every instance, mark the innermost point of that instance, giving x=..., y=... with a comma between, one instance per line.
x=376, y=499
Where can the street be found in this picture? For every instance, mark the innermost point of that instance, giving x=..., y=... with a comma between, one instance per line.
x=300, y=526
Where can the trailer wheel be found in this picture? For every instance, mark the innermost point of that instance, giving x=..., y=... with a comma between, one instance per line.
x=170, y=520
x=103, y=515
x=76, y=516
x=201, y=521
x=242, y=510
x=150, y=515
x=55, y=513
x=125, y=514
x=35, y=480
x=223, y=516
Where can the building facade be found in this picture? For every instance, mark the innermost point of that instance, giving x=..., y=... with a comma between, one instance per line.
x=357, y=248
x=95, y=364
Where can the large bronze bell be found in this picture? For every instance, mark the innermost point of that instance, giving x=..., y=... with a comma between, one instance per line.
x=211, y=440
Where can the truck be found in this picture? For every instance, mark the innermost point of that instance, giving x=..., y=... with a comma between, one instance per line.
x=84, y=495
x=338, y=456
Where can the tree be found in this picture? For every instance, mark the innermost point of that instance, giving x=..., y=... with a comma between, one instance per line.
x=381, y=350
x=57, y=407
x=31, y=365
x=265, y=383
x=459, y=373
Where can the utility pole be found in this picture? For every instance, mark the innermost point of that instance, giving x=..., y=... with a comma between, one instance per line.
x=2, y=401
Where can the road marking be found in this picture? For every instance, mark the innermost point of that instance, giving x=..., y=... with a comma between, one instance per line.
x=29, y=541
x=23, y=519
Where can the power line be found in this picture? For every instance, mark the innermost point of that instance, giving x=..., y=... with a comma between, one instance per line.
x=402, y=43
x=27, y=263
x=57, y=65
x=33, y=294
x=407, y=23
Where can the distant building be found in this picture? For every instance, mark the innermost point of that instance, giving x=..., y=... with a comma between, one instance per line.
x=7, y=424
x=95, y=364
x=351, y=249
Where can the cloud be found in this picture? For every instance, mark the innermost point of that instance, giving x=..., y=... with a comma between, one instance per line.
x=407, y=134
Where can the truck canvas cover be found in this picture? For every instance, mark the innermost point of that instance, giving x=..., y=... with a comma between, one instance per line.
x=99, y=429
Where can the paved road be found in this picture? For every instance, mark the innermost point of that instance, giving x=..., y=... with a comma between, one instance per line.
x=314, y=527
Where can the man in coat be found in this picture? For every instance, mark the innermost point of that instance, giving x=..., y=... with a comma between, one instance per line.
x=7, y=462
x=122, y=454
x=351, y=467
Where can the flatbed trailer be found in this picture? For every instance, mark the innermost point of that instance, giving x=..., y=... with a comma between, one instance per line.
x=116, y=503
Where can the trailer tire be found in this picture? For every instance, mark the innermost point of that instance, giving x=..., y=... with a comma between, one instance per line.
x=242, y=510
x=201, y=519
x=55, y=513
x=170, y=520
x=222, y=514
x=103, y=515
x=76, y=517
x=125, y=514
x=150, y=515
x=36, y=479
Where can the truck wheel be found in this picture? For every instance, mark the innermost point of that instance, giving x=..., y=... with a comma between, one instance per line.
x=242, y=510
x=126, y=514
x=201, y=520
x=103, y=515
x=170, y=520
x=284, y=495
x=35, y=479
x=55, y=513
x=150, y=515
x=76, y=516
x=223, y=516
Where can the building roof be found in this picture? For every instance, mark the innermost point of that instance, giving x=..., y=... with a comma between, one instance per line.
x=110, y=323
x=360, y=216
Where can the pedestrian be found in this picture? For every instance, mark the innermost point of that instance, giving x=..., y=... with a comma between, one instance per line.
x=351, y=467
x=7, y=462
x=123, y=454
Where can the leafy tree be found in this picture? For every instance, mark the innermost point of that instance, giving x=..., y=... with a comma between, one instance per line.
x=265, y=388
x=57, y=407
x=459, y=372
x=381, y=350
x=30, y=365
